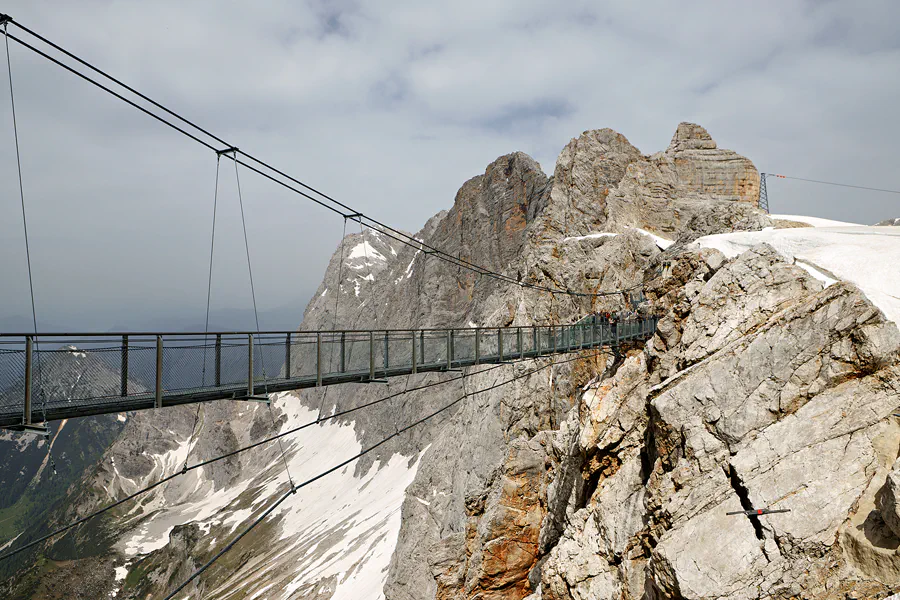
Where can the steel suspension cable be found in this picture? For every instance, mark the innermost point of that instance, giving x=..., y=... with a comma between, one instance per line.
x=212, y=246
x=344, y=209
x=846, y=185
x=337, y=297
x=262, y=354
x=12, y=103
x=365, y=246
x=343, y=464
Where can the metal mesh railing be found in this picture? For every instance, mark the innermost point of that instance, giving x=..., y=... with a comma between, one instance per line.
x=80, y=374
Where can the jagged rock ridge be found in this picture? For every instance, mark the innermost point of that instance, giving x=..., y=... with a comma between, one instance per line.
x=606, y=477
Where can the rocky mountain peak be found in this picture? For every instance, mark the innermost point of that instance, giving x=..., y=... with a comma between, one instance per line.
x=690, y=136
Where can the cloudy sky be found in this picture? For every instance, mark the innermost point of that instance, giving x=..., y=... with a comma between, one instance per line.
x=389, y=107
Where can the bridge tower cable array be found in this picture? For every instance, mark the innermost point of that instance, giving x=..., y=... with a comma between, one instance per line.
x=27, y=424
x=265, y=169
x=763, y=202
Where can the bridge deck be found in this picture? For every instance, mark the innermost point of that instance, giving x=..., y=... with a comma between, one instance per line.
x=60, y=376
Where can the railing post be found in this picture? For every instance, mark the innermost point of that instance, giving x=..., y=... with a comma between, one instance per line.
x=519, y=343
x=387, y=362
x=500, y=343
x=343, y=351
x=422, y=345
x=537, y=345
x=250, y=365
x=449, y=349
x=415, y=367
x=553, y=336
x=287, y=356
x=452, y=345
x=159, y=369
x=371, y=355
x=478, y=345
x=28, y=358
x=218, y=359
x=123, y=384
x=318, y=359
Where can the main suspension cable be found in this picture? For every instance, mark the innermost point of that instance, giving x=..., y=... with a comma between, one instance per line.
x=262, y=353
x=212, y=246
x=331, y=204
x=12, y=103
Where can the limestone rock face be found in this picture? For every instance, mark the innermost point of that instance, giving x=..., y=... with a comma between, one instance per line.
x=703, y=169
x=889, y=500
x=760, y=390
x=694, y=188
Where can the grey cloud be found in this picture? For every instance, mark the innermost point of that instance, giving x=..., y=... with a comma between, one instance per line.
x=530, y=115
x=390, y=107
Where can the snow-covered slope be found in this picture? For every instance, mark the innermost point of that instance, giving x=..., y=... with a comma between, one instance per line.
x=338, y=532
x=866, y=256
x=815, y=221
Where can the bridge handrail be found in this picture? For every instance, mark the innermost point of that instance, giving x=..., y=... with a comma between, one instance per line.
x=133, y=371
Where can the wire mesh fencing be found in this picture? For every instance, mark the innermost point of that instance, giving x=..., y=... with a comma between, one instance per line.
x=57, y=376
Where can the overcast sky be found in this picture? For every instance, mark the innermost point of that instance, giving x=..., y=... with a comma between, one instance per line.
x=390, y=107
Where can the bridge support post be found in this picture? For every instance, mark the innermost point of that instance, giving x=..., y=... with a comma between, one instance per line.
x=250, y=365
x=26, y=416
x=415, y=367
x=500, y=343
x=519, y=344
x=387, y=346
x=535, y=341
x=478, y=345
x=159, y=369
x=287, y=356
x=343, y=351
x=371, y=356
x=123, y=383
x=553, y=336
x=422, y=344
x=449, y=349
x=318, y=359
x=218, y=359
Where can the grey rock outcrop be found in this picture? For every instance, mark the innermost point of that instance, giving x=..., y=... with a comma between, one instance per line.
x=888, y=222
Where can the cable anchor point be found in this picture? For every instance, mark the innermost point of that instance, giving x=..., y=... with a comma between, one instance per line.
x=4, y=19
x=231, y=150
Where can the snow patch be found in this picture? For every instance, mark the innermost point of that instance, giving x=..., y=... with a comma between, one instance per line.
x=9, y=543
x=74, y=351
x=590, y=236
x=661, y=242
x=815, y=221
x=365, y=251
x=864, y=255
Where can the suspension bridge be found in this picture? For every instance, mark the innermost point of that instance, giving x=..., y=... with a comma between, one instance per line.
x=122, y=372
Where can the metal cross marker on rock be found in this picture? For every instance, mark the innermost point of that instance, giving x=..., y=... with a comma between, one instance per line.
x=759, y=511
